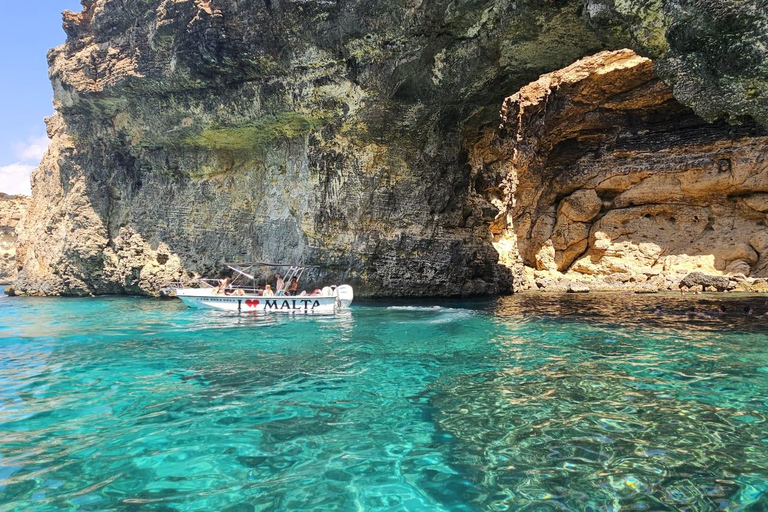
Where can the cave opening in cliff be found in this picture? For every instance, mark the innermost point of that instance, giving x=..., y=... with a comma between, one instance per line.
x=605, y=181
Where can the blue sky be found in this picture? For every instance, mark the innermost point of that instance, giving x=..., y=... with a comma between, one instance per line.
x=27, y=31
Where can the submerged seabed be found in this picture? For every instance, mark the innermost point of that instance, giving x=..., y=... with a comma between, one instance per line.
x=532, y=402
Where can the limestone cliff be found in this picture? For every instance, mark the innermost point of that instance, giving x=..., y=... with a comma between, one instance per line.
x=603, y=177
x=194, y=131
x=12, y=210
x=191, y=132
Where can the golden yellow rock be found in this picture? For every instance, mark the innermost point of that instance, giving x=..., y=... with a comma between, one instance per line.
x=604, y=187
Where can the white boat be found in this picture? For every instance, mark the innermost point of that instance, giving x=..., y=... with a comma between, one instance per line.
x=240, y=298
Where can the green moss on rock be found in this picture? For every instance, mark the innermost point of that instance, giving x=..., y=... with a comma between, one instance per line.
x=283, y=125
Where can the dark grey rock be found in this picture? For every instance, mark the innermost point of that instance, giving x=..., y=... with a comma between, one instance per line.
x=718, y=283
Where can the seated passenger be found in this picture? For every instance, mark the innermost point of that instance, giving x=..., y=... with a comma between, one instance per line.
x=316, y=292
x=268, y=291
x=293, y=287
x=223, y=286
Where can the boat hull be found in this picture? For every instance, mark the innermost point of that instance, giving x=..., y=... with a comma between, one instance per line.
x=309, y=305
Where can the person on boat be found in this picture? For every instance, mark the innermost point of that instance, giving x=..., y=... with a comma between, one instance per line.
x=293, y=287
x=316, y=292
x=279, y=283
x=259, y=290
x=223, y=286
x=268, y=291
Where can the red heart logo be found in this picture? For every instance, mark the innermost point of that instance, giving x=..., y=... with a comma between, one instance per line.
x=252, y=303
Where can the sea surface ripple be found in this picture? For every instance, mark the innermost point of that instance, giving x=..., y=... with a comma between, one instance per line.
x=531, y=402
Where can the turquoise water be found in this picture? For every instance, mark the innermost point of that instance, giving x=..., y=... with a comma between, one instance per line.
x=526, y=403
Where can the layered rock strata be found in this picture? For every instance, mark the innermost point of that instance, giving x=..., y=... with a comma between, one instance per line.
x=604, y=178
x=12, y=210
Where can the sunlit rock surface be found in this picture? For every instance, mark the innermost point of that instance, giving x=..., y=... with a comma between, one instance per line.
x=604, y=178
x=12, y=210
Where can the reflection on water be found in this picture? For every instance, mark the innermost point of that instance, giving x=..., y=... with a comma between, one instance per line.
x=667, y=311
x=532, y=402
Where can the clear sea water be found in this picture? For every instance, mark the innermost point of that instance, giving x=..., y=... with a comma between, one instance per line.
x=531, y=402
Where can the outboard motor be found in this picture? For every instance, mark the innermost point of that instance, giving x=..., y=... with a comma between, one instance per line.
x=344, y=295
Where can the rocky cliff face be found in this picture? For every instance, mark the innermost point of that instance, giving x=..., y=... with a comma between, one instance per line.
x=189, y=132
x=603, y=177
x=12, y=210
x=712, y=53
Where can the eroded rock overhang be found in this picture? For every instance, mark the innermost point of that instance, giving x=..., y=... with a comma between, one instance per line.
x=603, y=177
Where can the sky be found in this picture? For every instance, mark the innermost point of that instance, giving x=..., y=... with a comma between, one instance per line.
x=27, y=30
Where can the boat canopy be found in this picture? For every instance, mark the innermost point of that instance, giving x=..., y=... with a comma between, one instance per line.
x=244, y=269
x=265, y=264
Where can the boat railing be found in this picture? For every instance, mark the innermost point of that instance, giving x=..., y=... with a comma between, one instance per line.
x=211, y=283
x=246, y=280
